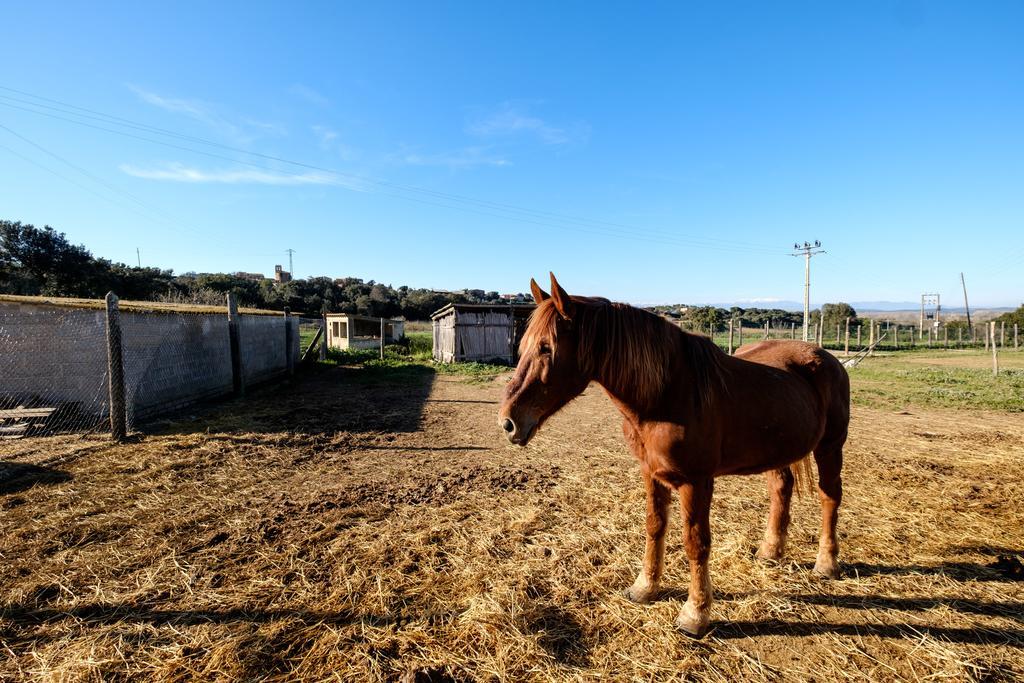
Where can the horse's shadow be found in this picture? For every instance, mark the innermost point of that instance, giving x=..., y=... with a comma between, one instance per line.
x=961, y=571
x=559, y=633
x=17, y=476
x=969, y=635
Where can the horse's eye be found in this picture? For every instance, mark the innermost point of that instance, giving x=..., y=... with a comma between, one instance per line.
x=544, y=348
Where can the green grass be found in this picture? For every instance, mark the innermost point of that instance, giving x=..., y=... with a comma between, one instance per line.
x=421, y=344
x=306, y=335
x=892, y=383
x=474, y=373
x=410, y=360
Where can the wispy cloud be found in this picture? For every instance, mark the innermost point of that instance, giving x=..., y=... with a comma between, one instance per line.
x=462, y=158
x=206, y=113
x=511, y=120
x=308, y=94
x=325, y=135
x=193, y=108
x=181, y=173
x=329, y=140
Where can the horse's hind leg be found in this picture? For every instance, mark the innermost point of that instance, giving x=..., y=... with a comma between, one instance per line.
x=645, y=588
x=780, y=488
x=830, y=491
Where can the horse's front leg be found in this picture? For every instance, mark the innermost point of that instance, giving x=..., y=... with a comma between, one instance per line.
x=695, y=500
x=645, y=588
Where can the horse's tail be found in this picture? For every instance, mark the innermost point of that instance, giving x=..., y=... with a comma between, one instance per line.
x=803, y=472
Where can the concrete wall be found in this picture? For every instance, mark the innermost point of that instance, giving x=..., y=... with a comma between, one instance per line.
x=170, y=359
x=262, y=341
x=53, y=354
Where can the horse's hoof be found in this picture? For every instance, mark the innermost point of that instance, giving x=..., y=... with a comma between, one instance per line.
x=827, y=569
x=768, y=554
x=693, y=623
x=640, y=594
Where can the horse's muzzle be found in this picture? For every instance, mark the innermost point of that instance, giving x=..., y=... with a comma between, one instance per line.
x=518, y=433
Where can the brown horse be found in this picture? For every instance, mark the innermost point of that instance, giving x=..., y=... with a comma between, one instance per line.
x=692, y=413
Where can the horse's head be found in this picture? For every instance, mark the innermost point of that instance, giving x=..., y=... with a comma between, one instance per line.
x=549, y=374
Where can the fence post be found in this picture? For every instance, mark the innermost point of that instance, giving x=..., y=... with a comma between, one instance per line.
x=739, y=342
x=382, y=338
x=289, y=357
x=115, y=371
x=1002, y=334
x=1016, y=341
x=792, y=330
x=896, y=337
x=323, y=340
x=766, y=329
x=846, y=350
x=959, y=337
x=986, y=335
x=234, y=338
x=995, y=358
x=730, y=335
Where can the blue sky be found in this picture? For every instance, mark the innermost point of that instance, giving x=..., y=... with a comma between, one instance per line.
x=672, y=152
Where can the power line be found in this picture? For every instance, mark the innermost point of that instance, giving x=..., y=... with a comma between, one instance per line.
x=152, y=213
x=116, y=120
x=510, y=211
x=807, y=250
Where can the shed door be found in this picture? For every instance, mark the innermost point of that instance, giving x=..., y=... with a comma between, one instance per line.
x=484, y=336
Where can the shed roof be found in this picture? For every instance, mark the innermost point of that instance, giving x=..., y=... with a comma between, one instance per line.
x=369, y=318
x=448, y=308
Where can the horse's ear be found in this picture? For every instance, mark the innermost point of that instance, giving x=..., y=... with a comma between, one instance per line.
x=563, y=302
x=539, y=295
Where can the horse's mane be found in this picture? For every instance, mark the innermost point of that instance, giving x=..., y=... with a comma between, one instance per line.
x=632, y=351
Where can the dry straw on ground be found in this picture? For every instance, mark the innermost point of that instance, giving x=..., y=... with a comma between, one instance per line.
x=361, y=526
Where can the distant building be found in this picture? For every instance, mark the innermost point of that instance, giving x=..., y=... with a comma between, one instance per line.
x=255, y=277
x=281, y=275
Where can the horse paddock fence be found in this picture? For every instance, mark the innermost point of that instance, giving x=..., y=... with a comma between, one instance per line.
x=90, y=366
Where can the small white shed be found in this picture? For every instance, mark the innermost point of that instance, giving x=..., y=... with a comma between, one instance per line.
x=350, y=331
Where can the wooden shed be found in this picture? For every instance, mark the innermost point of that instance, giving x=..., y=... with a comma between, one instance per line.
x=350, y=331
x=479, y=332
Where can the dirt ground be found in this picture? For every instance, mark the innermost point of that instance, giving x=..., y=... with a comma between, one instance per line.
x=370, y=525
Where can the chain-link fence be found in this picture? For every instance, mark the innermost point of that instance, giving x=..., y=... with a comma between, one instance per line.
x=55, y=362
x=53, y=370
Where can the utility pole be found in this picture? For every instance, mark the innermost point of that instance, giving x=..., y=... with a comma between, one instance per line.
x=138, y=257
x=807, y=250
x=966, y=307
x=290, y=267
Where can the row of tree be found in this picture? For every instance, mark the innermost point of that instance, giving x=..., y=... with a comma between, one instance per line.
x=41, y=261
x=706, y=317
